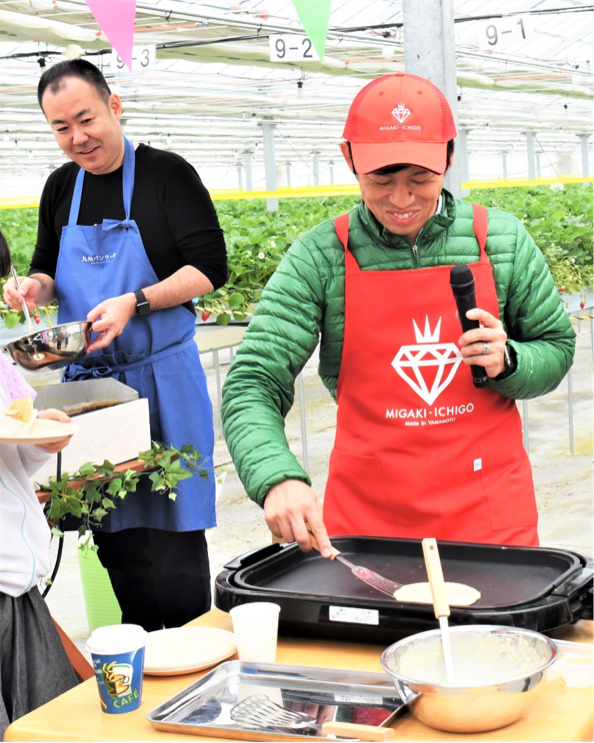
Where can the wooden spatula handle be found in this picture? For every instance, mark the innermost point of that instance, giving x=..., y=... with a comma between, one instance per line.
x=353, y=730
x=315, y=545
x=436, y=581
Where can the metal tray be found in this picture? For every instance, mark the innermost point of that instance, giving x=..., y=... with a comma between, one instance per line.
x=328, y=694
x=89, y=392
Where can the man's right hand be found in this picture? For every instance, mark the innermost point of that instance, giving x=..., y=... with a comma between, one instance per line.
x=29, y=289
x=292, y=511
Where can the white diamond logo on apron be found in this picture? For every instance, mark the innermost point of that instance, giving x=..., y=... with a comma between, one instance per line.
x=438, y=361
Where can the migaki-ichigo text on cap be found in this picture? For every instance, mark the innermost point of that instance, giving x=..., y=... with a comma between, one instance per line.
x=399, y=120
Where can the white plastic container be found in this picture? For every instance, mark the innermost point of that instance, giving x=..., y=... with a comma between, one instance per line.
x=575, y=664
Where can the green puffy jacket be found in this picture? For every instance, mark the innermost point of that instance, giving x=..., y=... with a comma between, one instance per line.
x=305, y=298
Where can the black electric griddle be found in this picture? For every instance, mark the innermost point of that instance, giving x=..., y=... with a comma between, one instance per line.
x=535, y=588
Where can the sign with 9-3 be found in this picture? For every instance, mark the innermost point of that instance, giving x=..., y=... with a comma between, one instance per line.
x=291, y=48
x=143, y=58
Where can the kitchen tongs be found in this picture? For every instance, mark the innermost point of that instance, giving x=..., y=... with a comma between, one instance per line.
x=375, y=580
x=23, y=301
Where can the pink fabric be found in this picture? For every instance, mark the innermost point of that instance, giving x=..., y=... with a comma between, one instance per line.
x=116, y=18
x=12, y=382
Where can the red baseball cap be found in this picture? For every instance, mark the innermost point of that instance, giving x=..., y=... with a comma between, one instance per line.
x=399, y=119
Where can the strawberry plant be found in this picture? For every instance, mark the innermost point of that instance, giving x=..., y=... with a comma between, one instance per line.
x=19, y=227
x=560, y=222
x=256, y=242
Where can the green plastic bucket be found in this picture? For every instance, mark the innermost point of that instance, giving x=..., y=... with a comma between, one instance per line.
x=101, y=605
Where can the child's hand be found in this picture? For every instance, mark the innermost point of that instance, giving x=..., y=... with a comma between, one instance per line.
x=55, y=415
x=28, y=290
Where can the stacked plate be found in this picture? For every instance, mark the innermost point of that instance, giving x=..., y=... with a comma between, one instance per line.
x=171, y=652
x=43, y=431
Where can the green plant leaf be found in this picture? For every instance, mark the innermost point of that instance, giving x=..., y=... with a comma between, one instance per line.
x=11, y=319
x=115, y=486
x=75, y=507
x=106, y=469
x=235, y=301
x=87, y=469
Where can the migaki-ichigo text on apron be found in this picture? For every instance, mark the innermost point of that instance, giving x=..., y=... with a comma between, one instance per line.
x=419, y=450
x=155, y=355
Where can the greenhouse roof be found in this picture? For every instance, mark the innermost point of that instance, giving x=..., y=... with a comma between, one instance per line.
x=213, y=80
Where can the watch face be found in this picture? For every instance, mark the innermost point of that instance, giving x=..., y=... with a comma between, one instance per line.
x=510, y=361
x=143, y=309
x=143, y=306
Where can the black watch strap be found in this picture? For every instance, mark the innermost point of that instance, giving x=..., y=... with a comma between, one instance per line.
x=143, y=306
x=511, y=363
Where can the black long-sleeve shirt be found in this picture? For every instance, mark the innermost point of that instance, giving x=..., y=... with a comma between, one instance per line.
x=174, y=212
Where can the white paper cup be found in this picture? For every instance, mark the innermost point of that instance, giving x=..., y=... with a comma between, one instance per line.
x=118, y=659
x=256, y=631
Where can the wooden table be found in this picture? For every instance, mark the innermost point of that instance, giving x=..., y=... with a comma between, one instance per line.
x=560, y=713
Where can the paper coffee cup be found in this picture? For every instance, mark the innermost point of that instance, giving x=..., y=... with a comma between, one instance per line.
x=118, y=660
x=256, y=631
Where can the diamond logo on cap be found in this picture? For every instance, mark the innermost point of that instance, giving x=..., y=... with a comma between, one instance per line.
x=401, y=112
x=441, y=360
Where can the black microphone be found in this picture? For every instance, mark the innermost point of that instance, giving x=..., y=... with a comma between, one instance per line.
x=462, y=283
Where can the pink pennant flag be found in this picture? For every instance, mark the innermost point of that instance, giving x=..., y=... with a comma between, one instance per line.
x=116, y=19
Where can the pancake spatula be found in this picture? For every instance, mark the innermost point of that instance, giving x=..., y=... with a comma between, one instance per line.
x=375, y=580
x=440, y=601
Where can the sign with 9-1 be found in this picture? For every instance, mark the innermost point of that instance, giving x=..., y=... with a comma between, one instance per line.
x=499, y=33
x=291, y=48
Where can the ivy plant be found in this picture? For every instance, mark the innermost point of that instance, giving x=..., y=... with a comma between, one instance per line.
x=94, y=489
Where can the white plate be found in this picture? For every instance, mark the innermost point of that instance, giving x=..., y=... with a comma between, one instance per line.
x=43, y=431
x=170, y=652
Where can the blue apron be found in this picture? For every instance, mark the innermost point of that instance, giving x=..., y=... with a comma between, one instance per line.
x=155, y=355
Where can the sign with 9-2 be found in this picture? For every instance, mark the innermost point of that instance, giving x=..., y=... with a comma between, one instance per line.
x=291, y=48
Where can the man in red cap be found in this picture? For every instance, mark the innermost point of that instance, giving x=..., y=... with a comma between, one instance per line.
x=420, y=450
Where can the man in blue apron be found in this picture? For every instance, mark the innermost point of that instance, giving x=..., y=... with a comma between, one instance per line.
x=127, y=237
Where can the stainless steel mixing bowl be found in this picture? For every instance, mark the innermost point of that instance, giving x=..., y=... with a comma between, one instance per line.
x=477, y=706
x=53, y=347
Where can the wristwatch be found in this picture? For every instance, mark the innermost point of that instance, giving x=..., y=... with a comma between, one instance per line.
x=510, y=361
x=143, y=306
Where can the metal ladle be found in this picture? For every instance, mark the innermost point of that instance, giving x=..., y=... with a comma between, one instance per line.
x=24, y=303
x=440, y=602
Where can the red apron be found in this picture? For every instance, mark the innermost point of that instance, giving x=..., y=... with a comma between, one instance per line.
x=419, y=450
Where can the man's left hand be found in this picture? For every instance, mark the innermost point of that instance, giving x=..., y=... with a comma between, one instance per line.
x=484, y=346
x=109, y=319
